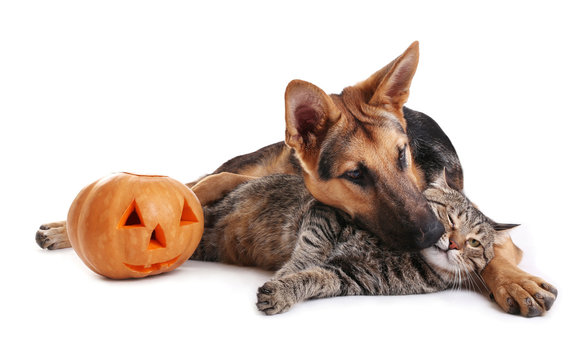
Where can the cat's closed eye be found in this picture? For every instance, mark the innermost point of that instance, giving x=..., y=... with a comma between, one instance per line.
x=450, y=219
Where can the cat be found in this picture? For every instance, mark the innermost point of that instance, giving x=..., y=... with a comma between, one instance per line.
x=274, y=223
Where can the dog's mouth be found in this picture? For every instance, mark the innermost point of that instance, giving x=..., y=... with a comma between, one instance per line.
x=152, y=267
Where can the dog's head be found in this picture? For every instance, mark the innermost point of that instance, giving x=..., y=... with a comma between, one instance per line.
x=355, y=153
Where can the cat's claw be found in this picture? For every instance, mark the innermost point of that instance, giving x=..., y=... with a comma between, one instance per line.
x=528, y=295
x=274, y=298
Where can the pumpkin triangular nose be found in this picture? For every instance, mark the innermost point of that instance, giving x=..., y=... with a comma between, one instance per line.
x=157, y=239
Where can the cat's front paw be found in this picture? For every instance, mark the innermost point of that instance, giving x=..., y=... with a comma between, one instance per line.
x=524, y=294
x=274, y=298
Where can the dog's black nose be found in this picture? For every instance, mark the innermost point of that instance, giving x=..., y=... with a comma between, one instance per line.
x=431, y=234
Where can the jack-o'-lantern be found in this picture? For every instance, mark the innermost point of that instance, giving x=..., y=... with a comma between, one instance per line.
x=132, y=226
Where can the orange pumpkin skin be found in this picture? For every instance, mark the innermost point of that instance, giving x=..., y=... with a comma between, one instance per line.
x=132, y=226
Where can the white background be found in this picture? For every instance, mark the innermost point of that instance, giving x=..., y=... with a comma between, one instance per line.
x=177, y=88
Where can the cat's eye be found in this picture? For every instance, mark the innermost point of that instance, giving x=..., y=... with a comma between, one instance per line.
x=450, y=219
x=474, y=243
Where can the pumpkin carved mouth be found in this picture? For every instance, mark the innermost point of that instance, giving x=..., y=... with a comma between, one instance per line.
x=152, y=267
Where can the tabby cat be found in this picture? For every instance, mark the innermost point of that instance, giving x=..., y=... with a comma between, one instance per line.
x=274, y=223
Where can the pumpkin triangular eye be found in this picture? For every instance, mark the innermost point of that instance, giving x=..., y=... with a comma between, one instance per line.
x=131, y=217
x=188, y=216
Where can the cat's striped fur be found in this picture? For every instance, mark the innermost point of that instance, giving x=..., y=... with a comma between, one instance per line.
x=274, y=223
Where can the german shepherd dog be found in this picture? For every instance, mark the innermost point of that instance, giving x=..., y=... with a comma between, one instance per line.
x=366, y=154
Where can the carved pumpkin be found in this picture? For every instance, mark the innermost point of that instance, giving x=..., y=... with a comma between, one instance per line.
x=132, y=226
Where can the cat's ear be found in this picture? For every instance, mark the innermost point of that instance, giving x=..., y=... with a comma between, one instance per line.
x=502, y=230
x=441, y=180
x=504, y=227
x=447, y=181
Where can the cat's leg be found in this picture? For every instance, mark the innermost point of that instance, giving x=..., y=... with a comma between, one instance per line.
x=306, y=275
x=514, y=290
x=317, y=236
x=279, y=295
x=53, y=236
x=308, y=252
x=215, y=187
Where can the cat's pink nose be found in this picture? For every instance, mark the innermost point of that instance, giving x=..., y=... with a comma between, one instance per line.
x=453, y=245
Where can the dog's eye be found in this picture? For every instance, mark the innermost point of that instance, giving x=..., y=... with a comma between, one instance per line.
x=357, y=176
x=354, y=174
x=402, y=163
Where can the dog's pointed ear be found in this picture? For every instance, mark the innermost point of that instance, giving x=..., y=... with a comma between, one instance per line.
x=310, y=112
x=368, y=86
x=394, y=86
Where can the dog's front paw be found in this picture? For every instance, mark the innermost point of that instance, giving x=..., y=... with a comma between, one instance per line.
x=525, y=294
x=53, y=236
x=274, y=298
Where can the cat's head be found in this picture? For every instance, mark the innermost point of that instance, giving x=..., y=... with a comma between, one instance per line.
x=467, y=244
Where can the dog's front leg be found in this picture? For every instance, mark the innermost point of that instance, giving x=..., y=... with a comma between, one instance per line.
x=214, y=187
x=53, y=236
x=514, y=290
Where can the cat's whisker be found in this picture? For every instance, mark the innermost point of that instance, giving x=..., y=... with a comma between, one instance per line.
x=455, y=282
x=453, y=279
x=470, y=271
x=458, y=279
x=475, y=286
x=471, y=282
x=465, y=280
x=459, y=266
x=481, y=281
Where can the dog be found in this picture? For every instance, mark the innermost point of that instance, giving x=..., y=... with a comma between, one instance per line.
x=362, y=151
